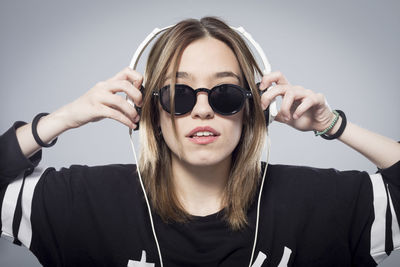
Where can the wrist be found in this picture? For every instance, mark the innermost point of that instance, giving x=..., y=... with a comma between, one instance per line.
x=327, y=125
x=336, y=127
x=61, y=119
x=49, y=127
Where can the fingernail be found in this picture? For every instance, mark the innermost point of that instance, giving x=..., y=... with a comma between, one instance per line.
x=137, y=118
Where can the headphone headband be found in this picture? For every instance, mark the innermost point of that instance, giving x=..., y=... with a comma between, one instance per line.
x=156, y=31
x=144, y=44
x=273, y=110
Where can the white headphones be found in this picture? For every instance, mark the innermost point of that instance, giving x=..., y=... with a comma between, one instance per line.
x=273, y=111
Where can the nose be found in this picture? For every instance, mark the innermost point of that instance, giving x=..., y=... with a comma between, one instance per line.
x=202, y=108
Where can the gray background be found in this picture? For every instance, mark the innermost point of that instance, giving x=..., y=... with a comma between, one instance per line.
x=54, y=51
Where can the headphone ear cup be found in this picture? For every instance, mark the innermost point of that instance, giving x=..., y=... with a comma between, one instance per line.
x=139, y=109
x=266, y=116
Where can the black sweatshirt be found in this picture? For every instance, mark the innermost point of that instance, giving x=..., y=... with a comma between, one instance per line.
x=97, y=216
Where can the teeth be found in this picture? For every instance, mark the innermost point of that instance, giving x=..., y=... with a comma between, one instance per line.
x=203, y=134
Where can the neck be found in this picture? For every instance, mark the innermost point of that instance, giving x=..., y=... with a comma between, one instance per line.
x=200, y=189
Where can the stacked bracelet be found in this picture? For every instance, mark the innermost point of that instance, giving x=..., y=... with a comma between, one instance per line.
x=35, y=134
x=341, y=128
x=317, y=133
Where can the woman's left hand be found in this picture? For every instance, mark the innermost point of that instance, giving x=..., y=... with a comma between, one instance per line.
x=301, y=108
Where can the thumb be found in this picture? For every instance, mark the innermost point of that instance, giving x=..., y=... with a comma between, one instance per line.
x=279, y=117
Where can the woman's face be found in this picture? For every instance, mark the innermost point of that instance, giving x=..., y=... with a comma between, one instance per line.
x=200, y=62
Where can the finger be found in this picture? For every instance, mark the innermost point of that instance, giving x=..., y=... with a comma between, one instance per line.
x=287, y=102
x=279, y=117
x=292, y=98
x=312, y=100
x=118, y=102
x=126, y=87
x=302, y=108
x=273, y=77
x=118, y=116
x=129, y=74
x=272, y=93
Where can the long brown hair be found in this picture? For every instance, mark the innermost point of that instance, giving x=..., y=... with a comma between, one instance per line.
x=155, y=159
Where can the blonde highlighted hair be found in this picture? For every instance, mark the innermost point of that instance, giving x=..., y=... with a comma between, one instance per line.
x=155, y=158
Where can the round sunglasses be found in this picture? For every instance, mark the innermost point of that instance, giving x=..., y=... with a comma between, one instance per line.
x=224, y=99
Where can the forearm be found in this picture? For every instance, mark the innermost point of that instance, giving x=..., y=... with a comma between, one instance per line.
x=381, y=150
x=48, y=128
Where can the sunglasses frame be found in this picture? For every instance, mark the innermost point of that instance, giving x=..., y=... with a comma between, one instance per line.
x=245, y=93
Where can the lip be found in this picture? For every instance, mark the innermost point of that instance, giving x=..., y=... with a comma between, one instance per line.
x=203, y=140
x=203, y=129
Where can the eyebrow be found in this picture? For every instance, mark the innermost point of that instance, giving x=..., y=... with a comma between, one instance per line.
x=222, y=74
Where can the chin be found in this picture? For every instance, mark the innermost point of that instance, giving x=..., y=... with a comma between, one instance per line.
x=200, y=159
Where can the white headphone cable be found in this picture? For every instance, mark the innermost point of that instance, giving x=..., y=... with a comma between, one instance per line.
x=259, y=199
x=258, y=204
x=147, y=200
x=272, y=113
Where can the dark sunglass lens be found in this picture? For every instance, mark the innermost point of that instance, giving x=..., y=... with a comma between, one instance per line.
x=184, y=99
x=226, y=99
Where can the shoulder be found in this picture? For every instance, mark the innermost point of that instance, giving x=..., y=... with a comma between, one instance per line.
x=102, y=172
x=98, y=178
x=307, y=174
x=97, y=171
x=316, y=184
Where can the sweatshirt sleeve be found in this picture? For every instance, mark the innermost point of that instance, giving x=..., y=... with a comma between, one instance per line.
x=14, y=166
x=12, y=160
x=34, y=201
x=385, y=230
x=375, y=225
x=44, y=209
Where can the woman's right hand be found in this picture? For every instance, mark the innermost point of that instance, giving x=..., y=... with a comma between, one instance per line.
x=101, y=101
x=98, y=103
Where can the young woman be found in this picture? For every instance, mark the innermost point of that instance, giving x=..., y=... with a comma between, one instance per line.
x=201, y=166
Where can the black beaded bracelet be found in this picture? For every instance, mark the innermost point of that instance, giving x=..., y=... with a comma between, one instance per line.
x=35, y=134
x=341, y=128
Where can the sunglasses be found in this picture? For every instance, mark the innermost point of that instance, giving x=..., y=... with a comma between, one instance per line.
x=224, y=99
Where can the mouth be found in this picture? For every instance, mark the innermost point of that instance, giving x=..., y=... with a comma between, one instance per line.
x=203, y=135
